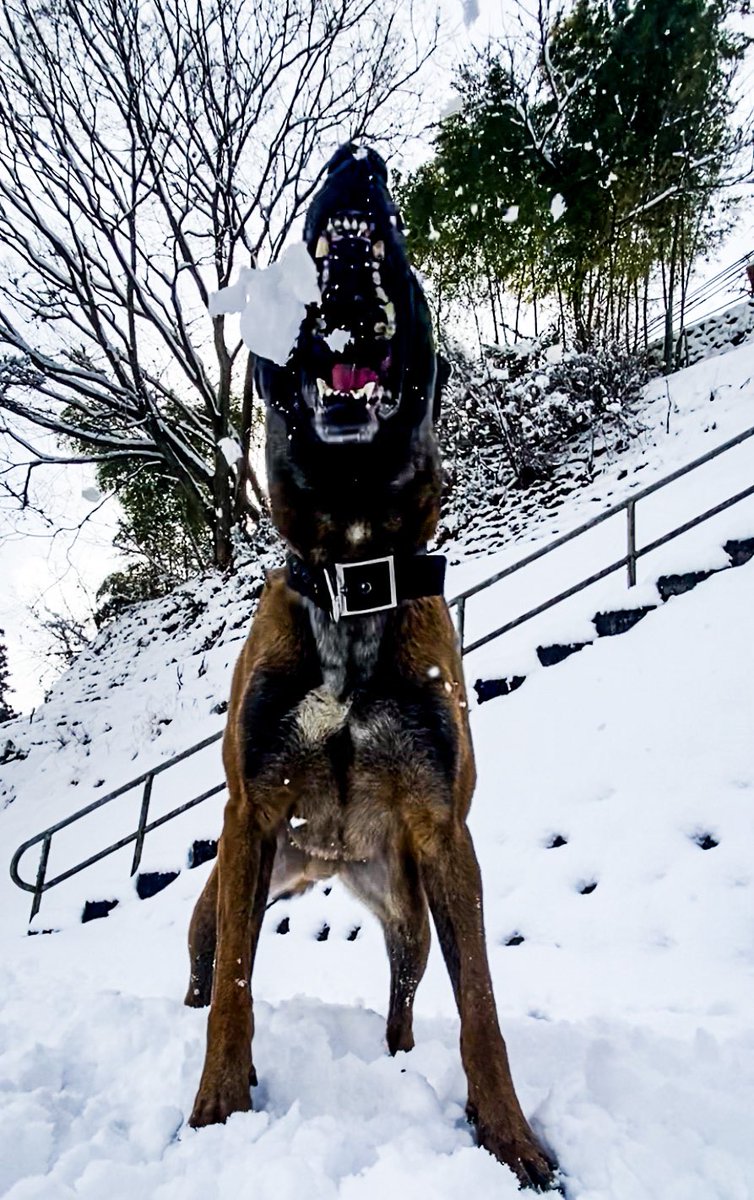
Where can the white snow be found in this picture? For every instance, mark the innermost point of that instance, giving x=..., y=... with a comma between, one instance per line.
x=557, y=207
x=272, y=302
x=510, y=216
x=231, y=450
x=470, y=12
x=338, y=340
x=626, y=1008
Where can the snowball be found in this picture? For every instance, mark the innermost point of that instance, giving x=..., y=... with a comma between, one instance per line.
x=272, y=302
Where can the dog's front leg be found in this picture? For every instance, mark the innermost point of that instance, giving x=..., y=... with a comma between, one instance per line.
x=452, y=882
x=245, y=857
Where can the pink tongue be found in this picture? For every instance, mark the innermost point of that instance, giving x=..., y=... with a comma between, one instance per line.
x=346, y=378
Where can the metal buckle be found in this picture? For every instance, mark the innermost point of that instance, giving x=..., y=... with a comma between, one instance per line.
x=373, y=578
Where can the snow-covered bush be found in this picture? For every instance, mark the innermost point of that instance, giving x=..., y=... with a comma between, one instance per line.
x=510, y=418
x=544, y=399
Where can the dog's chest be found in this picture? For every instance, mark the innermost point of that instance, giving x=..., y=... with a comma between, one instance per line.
x=350, y=744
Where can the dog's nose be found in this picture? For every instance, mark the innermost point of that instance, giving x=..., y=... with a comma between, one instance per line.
x=356, y=182
x=357, y=158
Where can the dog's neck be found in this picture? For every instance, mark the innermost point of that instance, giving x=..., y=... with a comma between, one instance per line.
x=338, y=512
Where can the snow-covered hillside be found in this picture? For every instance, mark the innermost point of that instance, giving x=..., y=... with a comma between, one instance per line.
x=614, y=824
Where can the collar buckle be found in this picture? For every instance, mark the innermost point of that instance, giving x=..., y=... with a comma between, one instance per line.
x=362, y=587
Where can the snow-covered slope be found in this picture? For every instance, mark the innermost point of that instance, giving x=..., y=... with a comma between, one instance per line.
x=626, y=1004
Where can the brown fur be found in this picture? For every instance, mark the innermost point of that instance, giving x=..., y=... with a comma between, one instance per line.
x=359, y=730
x=402, y=822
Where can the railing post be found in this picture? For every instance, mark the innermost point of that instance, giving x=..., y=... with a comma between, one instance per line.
x=460, y=622
x=41, y=872
x=631, y=532
x=142, y=823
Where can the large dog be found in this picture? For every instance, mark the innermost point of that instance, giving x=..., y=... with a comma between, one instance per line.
x=347, y=749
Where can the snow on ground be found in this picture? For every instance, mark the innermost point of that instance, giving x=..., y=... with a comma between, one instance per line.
x=623, y=959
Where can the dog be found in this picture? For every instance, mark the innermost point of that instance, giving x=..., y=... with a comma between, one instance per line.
x=347, y=749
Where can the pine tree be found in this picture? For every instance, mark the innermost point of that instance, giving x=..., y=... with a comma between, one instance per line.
x=625, y=115
x=6, y=709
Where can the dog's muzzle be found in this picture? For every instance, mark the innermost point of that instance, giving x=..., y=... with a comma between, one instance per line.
x=348, y=368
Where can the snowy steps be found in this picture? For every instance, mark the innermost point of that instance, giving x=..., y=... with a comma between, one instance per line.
x=607, y=624
x=618, y=621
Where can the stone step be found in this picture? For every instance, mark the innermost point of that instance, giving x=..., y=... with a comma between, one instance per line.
x=611, y=624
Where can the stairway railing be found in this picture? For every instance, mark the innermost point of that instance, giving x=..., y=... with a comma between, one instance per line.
x=144, y=826
x=628, y=560
x=633, y=552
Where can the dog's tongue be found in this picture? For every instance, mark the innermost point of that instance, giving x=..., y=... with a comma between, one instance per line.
x=348, y=378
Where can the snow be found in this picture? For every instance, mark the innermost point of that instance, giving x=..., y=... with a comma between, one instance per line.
x=231, y=450
x=557, y=207
x=272, y=302
x=626, y=1007
x=338, y=340
x=470, y=12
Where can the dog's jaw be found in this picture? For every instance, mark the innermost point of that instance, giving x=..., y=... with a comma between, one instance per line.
x=350, y=439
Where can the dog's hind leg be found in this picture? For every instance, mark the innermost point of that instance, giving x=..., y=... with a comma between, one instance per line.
x=392, y=889
x=202, y=939
x=450, y=875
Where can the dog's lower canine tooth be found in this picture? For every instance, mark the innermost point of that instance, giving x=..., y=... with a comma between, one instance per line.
x=378, y=250
x=366, y=390
x=323, y=247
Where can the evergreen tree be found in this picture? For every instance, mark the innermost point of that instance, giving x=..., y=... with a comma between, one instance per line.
x=6, y=708
x=577, y=178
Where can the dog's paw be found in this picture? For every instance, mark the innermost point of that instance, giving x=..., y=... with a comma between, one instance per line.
x=213, y=1105
x=522, y=1153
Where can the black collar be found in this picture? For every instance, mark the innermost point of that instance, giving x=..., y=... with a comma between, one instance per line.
x=373, y=585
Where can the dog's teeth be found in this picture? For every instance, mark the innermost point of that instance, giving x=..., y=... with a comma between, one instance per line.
x=323, y=388
x=382, y=295
x=365, y=392
x=390, y=313
x=380, y=328
x=378, y=250
x=363, y=228
x=323, y=247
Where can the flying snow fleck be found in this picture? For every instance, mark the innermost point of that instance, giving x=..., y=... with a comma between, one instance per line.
x=272, y=302
x=511, y=214
x=470, y=12
x=230, y=450
x=557, y=207
x=338, y=340
x=92, y=494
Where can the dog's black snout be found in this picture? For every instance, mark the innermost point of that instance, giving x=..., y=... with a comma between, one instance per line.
x=356, y=183
x=352, y=156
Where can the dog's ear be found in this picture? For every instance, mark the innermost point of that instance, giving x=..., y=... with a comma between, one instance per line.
x=444, y=372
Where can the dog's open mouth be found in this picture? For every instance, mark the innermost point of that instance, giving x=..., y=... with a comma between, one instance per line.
x=348, y=356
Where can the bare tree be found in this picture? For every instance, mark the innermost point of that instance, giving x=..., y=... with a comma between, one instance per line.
x=148, y=148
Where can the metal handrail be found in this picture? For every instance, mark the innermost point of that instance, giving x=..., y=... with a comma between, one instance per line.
x=42, y=884
x=629, y=560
